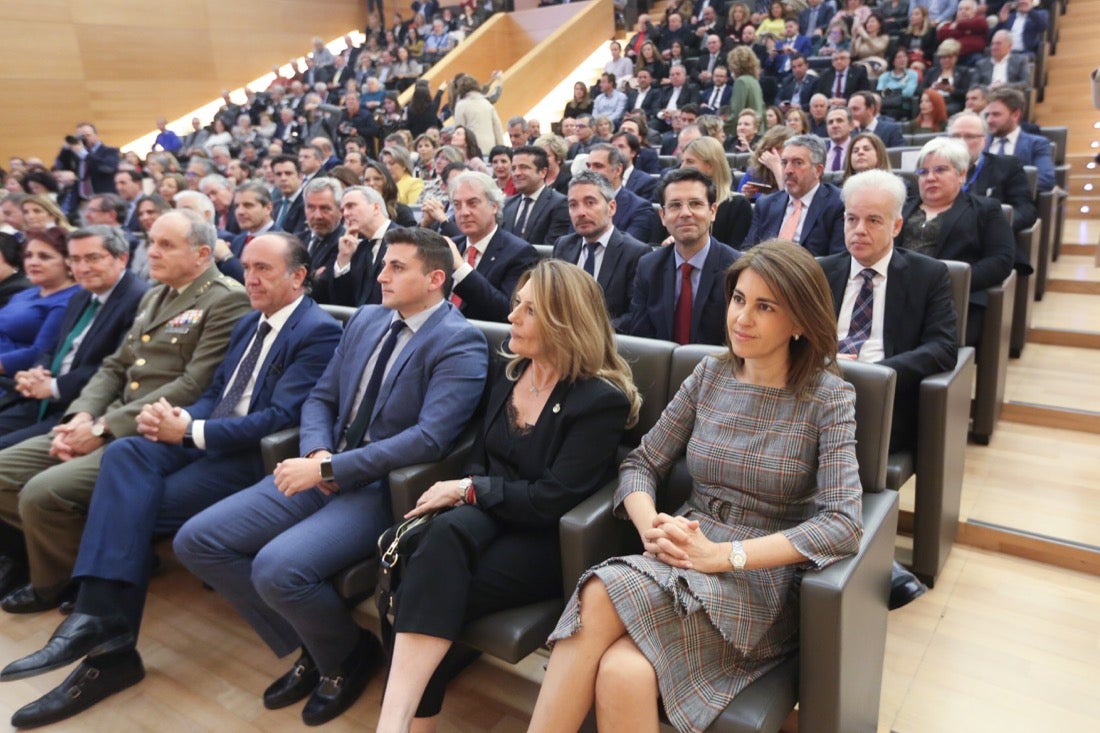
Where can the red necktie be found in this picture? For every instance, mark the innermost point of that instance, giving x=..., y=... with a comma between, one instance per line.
x=471, y=260
x=839, y=92
x=681, y=327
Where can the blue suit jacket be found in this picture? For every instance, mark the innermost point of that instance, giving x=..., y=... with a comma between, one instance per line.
x=295, y=361
x=487, y=291
x=617, y=270
x=1032, y=150
x=635, y=216
x=642, y=184
x=1036, y=24
x=822, y=231
x=547, y=220
x=653, y=304
x=889, y=132
x=430, y=392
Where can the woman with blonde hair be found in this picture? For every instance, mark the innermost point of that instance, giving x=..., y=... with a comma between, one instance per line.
x=745, y=67
x=553, y=422
x=763, y=173
x=41, y=212
x=400, y=165
x=734, y=214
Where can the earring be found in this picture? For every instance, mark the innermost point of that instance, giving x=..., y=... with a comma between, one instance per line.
x=797, y=336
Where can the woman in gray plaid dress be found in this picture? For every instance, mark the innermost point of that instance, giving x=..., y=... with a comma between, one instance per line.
x=769, y=437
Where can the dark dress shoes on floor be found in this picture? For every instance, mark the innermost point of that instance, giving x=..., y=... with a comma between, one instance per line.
x=80, y=635
x=293, y=686
x=336, y=694
x=904, y=587
x=82, y=689
x=13, y=574
x=28, y=600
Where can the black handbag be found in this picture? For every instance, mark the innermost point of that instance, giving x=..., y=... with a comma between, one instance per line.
x=395, y=546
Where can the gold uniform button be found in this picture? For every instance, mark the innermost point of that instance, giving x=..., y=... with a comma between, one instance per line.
x=134, y=386
x=146, y=338
x=140, y=362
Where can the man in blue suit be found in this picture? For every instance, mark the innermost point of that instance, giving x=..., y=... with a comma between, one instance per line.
x=186, y=459
x=1025, y=23
x=633, y=214
x=679, y=290
x=864, y=107
x=98, y=256
x=637, y=181
x=252, y=210
x=808, y=211
x=1002, y=113
x=536, y=213
x=404, y=382
x=488, y=261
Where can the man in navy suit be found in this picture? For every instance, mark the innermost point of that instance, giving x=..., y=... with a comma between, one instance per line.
x=815, y=18
x=637, y=181
x=633, y=214
x=716, y=97
x=488, y=261
x=353, y=278
x=128, y=186
x=288, y=210
x=864, y=107
x=98, y=162
x=843, y=80
x=797, y=88
x=98, y=256
x=404, y=382
x=646, y=97
x=603, y=251
x=807, y=211
x=1025, y=24
x=252, y=210
x=1002, y=113
x=187, y=458
x=536, y=213
x=678, y=291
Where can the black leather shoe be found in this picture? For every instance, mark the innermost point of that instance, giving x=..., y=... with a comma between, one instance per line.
x=82, y=689
x=80, y=635
x=293, y=686
x=12, y=574
x=904, y=587
x=336, y=694
x=28, y=600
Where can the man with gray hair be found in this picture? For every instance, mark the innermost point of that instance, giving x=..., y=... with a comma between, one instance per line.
x=633, y=214
x=1002, y=67
x=219, y=190
x=353, y=278
x=171, y=351
x=808, y=211
x=894, y=307
x=323, y=228
x=1000, y=177
x=92, y=327
x=488, y=260
x=517, y=131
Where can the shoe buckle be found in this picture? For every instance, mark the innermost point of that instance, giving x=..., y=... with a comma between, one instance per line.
x=299, y=670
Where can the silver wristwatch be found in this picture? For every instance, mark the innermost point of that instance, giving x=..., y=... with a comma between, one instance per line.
x=737, y=556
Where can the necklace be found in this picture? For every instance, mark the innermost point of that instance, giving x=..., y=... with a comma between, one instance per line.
x=535, y=389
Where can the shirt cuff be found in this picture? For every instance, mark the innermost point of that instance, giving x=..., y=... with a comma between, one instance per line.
x=54, y=390
x=198, y=436
x=338, y=271
x=461, y=272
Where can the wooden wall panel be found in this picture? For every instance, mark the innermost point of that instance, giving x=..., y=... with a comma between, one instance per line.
x=123, y=63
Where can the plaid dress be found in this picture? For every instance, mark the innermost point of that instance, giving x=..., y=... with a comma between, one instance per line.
x=762, y=461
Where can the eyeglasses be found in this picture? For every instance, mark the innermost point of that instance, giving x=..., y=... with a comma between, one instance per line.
x=968, y=136
x=936, y=170
x=92, y=259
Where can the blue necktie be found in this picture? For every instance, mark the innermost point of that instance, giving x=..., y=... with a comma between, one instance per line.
x=357, y=430
x=229, y=400
x=590, y=259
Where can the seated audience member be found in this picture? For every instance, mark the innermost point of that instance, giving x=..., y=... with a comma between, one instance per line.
x=864, y=107
x=970, y=29
x=931, y=114
x=1026, y=23
x=581, y=103
x=843, y=79
x=869, y=44
x=866, y=153
x=1000, y=177
x=623, y=635
x=610, y=102
x=12, y=279
x=746, y=131
x=188, y=459
x=763, y=172
x=715, y=98
x=977, y=97
x=90, y=329
x=676, y=95
x=807, y=210
x=322, y=218
x=585, y=128
x=819, y=107
x=897, y=87
x=949, y=224
x=30, y=321
x=733, y=216
x=1003, y=112
x=814, y=19
x=798, y=86
x=949, y=78
x=271, y=548
x=918, y=38
x=635, y=179
x=797, y=121
x=837, y=39
x=713, y=56
x=288, y=208
x=557, y=173
x=377, y=176
x=517, y=134
x=252, y=211
x=689, y=311
x=171, y=351
x=488, y=261
x=1002, y=67
x=553, y=422
x=400, y=165
x=838, y=123
x=149, y=208
x=500, y=163
x=646, y=97
x=604, y=252
x=40, y=212
x=633, y=215
x=353, y=278
x=536, y=213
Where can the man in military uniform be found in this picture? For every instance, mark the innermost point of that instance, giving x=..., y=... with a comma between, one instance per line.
x=176, y=343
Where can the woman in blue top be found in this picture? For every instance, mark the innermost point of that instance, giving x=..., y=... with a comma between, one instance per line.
x=30, y=321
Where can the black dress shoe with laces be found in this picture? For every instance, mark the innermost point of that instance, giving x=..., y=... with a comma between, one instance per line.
x=293, y=686
x=78, y=636
x=27, y=599
x=13, y=574
x=82, y=689
x=339, y=692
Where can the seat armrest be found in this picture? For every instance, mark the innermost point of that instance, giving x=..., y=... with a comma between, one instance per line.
x=409, y=482
x=590, y=533
x=278, y=446
x=843, y=629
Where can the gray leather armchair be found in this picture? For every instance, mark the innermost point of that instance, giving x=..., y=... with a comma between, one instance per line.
x=992, y=360
x=940, y=454
x=1028, y=246
x=837, y=682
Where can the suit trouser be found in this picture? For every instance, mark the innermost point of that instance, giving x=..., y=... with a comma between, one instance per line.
x=146, y=489
x=273, y=558
x=19, y=421
x=47, y=499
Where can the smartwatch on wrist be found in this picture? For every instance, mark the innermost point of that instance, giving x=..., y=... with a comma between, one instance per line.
x=327, y=473
x=188, y=440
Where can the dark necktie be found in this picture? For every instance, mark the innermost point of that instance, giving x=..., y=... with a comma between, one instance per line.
x=229, y=400
x=357, y=429
x=859, y=330
x=79, y=327
x=839, y=91
x=280, y=213
x=713, y=103
x=520, y=227
x=837, y=162
x=681, y=325
x=590, y=258
x=1001, y=145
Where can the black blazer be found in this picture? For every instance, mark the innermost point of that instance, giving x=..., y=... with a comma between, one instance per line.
x=856, y=81
x=487, y=291
x=324, y=252
x=1002, y=177
x=974, y=230
x=547, y=220
x=653, y=304
x=651, y=103
x=617, y=271
x=102, y=339
x=918, y=329
x=360, y=285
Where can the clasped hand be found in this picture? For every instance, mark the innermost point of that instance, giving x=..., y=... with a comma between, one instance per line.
x=678, y=541
x=74, y=438
x=161, y=422
x=35, y=383
x=441, y=495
